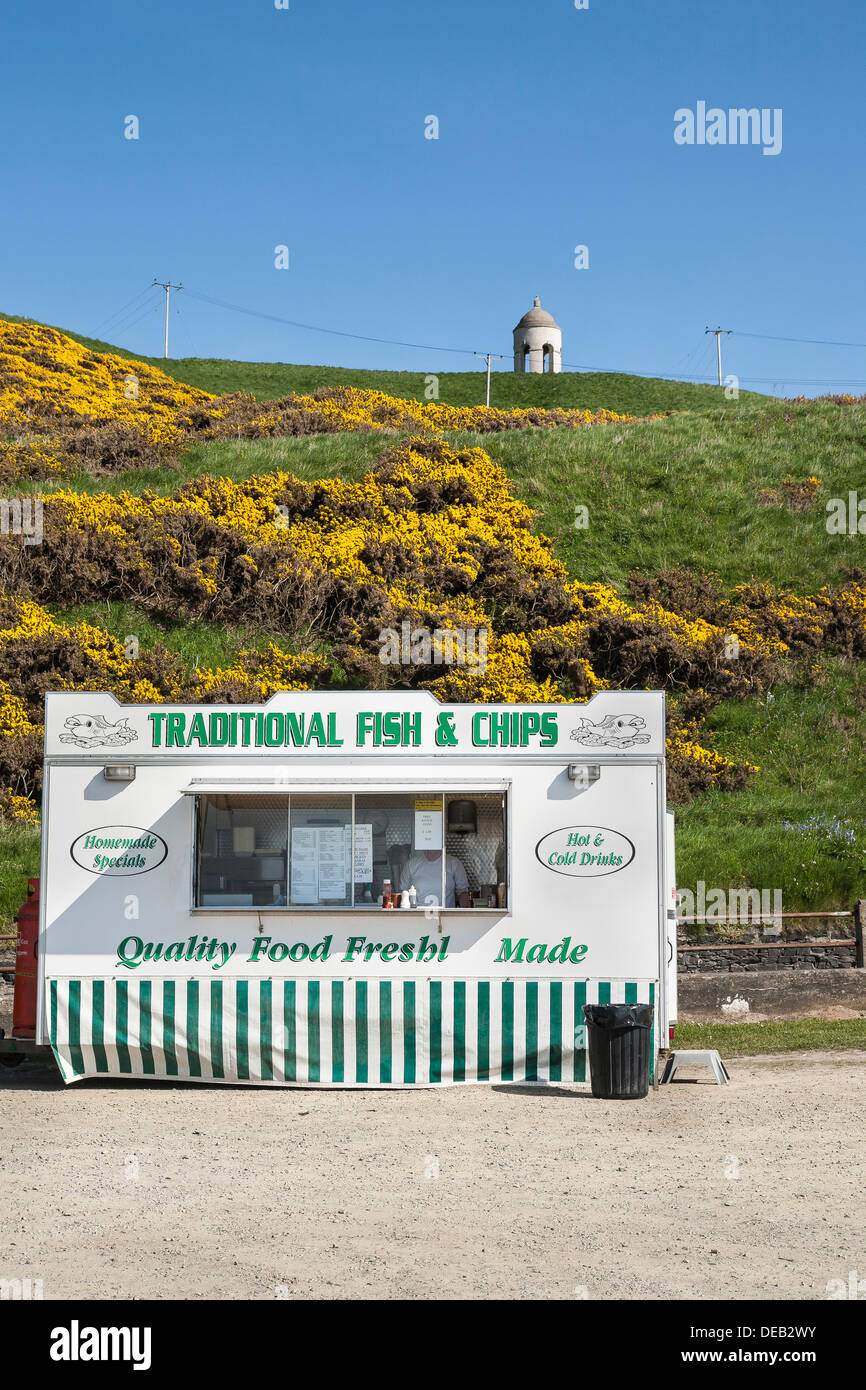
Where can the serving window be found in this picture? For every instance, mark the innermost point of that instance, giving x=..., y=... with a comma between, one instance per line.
x=319, y=850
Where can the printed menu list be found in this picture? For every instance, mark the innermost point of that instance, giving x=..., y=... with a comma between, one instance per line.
x=321, y=856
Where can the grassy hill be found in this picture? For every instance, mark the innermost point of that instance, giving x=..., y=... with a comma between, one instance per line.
x=628, y=395
x=724, y=490
x=695, y=491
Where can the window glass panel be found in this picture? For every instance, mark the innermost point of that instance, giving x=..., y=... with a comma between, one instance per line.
x=321, y=850
x=475, y=837
x=383, y=843
x=241, y=860
x=265, y=851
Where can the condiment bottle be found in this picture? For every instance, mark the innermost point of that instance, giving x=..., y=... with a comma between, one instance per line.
x=413, y=895
x=386, y=893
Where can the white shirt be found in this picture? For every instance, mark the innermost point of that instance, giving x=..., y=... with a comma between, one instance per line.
x=426, y=874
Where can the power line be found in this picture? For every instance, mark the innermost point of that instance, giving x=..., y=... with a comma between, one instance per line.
x=151, y=309
x=124, y=308
x=813, y=342
x=661, y=373
x=335, y=332
x=131, y=319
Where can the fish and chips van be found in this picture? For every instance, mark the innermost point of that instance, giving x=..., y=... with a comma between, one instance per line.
x=349, y=889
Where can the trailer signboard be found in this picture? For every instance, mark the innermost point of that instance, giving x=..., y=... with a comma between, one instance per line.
x=348, y=889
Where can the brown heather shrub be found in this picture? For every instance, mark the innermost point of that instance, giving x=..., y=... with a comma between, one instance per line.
x=554, y=655
x=690, y=593
x=31, y=666
x=241, y=416
x=797, y=494
x=637, y=653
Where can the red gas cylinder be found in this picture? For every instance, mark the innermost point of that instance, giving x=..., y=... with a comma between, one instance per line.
x=24, y=1004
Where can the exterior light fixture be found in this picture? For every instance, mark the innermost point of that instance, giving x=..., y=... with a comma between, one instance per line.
x=583, y=774
x=119, y=772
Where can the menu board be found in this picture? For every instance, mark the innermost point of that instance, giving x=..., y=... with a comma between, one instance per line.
x=428, y=823
x=363, y=867
x=320, y=856
x=332, y=862
x=305, y=866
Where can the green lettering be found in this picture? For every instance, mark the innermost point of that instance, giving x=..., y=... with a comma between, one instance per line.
x=129, y=951
x=157, y=720
x=218, y=733
x=295, y=730
x=316, y=731
x=508, y=952
x=549, y=730
x=197, y=731
x=275, y=730
x=175, y=731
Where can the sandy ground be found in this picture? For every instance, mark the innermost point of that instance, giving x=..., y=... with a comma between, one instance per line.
x=136, y=1190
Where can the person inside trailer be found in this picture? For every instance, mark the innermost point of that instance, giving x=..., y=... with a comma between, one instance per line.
x=423, y=868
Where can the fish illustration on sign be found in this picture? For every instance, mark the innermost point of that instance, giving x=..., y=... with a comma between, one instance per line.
x=94, y=731
x=615, y=730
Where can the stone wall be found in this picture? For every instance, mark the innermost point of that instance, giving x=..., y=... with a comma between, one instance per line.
x=793, y=956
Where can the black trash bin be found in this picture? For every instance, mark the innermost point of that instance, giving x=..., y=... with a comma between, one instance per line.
x=619, y=1048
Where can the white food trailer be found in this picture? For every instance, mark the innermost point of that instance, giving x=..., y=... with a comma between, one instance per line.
x=215, y=882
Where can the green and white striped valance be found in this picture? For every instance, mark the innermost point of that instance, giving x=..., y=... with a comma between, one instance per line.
x=329, y=1032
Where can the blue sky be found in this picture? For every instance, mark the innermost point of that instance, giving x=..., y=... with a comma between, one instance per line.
x=305, y=127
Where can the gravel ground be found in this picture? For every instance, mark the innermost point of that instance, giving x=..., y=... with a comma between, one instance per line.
x=156, y=1190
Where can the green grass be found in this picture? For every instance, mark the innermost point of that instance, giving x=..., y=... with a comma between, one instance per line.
x=626, y=394
x=19, y=860
x=687, y=491
x=790, y=1035
x=198, y=644
x=807, y=743
x=347, y=456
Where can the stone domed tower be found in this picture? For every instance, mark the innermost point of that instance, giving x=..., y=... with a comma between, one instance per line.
x=538, y=342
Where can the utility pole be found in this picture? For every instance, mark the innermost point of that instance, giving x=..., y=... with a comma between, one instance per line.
x=168, y=287
x=718, y=332
x=490, y=357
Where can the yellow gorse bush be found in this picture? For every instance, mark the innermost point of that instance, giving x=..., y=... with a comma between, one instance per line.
x=434, y=536
x=46, y=376
x=356, y=408
x=53, y=391
x=424, y=537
